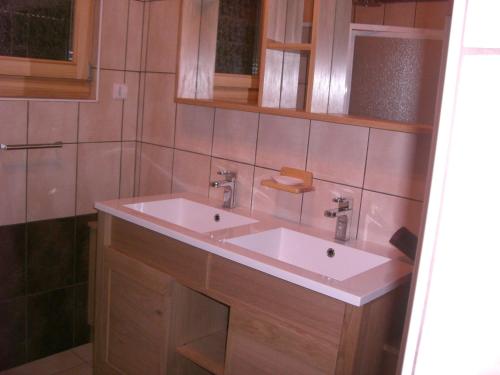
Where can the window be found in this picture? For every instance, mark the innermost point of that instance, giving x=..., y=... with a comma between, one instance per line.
x=45, y=48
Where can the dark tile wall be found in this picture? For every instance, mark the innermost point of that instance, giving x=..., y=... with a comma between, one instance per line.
x=43, y=288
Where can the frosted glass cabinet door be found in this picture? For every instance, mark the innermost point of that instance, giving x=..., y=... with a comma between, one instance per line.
x=395, y=78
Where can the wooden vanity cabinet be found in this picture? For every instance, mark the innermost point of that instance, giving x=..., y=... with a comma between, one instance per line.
x=133, y=317
x=164, y=307
x=261, y=344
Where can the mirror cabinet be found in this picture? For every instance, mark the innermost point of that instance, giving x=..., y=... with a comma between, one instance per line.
x=310, y=59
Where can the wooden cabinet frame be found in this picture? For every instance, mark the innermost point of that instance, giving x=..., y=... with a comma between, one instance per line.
x=228, y=318
x=43, y=78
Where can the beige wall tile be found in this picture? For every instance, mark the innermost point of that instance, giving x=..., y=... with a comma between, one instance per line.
x=162, y=36
x=194, y=128
x=51, y=183
x=156, y=170
x=13, y=126
x=98, y=176
x=114, y=34
x=134, y=35
x=315, y=203
x=235, y=135
x=337, y=153
x=191, y=173
x=282, y=142
x=13, y=187
x=275, y=202
x=244, y=181
x=52, y=121
x=159, y=109
x=130, y=108
x=397, y=163
x=127, y=169
x=382, y=215
x=102, y=121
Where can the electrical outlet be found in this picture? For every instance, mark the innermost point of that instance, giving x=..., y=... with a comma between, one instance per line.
x=120, y=91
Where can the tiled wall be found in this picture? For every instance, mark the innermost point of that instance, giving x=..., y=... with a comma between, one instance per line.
x=148, y=145
x=183, y=146
x=47, y=196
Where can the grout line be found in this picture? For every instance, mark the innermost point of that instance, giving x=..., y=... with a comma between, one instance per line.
x=172, y=179
x=173, y=154
x=120, y=174
x=305, y=168
x=26, y=241
x=364, y=178
x=255, y=161
x=198, y=52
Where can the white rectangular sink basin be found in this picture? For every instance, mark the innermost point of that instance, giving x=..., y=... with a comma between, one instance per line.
x=310, y=253
x=191, y=215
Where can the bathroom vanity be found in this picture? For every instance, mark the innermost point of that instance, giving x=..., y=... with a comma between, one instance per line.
x=186, y=287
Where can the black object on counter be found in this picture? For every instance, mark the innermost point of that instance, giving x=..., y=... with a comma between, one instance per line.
x=405, y=241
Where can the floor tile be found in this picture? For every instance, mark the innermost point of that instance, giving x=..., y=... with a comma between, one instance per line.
x=84, y=352
x=84, y=369
x=49, y=365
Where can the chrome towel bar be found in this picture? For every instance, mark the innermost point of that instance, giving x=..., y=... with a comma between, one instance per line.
x=30, y=146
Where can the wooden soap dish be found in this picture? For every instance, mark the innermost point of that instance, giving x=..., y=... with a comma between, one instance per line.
x=307, y=177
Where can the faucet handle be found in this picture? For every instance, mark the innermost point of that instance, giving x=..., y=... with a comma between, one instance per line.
x=227, y=174
x=344, y=204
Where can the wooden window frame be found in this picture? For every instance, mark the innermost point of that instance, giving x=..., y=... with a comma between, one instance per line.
x=43, y=78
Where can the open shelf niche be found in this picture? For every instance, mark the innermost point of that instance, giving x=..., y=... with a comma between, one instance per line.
x=198, y=332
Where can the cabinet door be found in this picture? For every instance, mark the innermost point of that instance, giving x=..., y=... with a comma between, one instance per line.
x=260, y=344
x=133, y=314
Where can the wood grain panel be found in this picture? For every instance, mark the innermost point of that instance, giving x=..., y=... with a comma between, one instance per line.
x=366, y=331
x=432, y=15
x=135, y=312
x=271, y=62
x=280, y=298
x=340, y=58
x=259, y=344
x=208, y=48
x=333, y=118
x=183, y=262
x=291, y=60
x=370, y=15
x=323, y=63
x=400, y=14
x=194, y=317
x=187, y=65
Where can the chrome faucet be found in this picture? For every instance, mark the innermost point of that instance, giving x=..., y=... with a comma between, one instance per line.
x=229, y=185
x=343, y=213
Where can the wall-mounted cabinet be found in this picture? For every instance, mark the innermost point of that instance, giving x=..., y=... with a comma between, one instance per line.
x=305, y=58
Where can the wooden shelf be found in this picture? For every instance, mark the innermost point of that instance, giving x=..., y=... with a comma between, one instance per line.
x=280, y=46
x=208, y=352
x=326, y=117
x=307, y=177
x=294, y=189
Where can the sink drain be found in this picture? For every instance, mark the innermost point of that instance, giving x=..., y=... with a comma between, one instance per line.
x=330, y=253
x=217, y=217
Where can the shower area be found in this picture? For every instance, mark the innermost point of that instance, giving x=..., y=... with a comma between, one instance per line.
x=44, y=236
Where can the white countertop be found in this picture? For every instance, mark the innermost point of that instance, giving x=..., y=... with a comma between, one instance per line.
x=357, y=290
